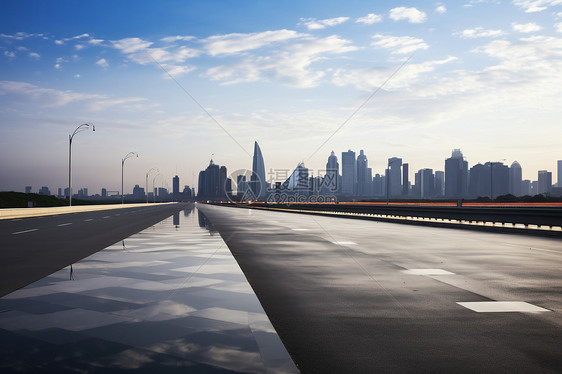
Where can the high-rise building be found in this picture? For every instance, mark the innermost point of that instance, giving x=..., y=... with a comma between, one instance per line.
x=348, y=173
x=209, y=185
x=405, y=179
x=559, y=174
x=456, y=175
x=258, y=180
x=515, y=178
x=44, y=191
x=379, y=185
x=103, y=192
x=298, y=181
x=439, y=183
x=500, y=179
x=138, y=193
x=480, y=183
x=331, y=183
x=176, y=188
x=394, y=177
x=364, y=180
x=544, y=182
x=525, y=187
x=27, y=189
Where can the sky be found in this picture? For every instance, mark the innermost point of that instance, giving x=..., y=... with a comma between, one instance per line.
x=181, y=82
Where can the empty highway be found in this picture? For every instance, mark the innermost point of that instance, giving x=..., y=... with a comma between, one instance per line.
x=32, y=248
x=360, y=296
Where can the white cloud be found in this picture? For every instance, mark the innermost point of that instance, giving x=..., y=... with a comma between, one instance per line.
x=314, y=24
x=34, y=55
x=23, y=92
x=368, y=79
x=479, y=32
x=79, y=47
x=76, y=75
x=81, y=36
x=95, y=41
x=369, y=19
x=291, y=64
x=59, y=42
x=20, y=36
x=440, y=8
x=411, y=14
x=9, y=54
x=399, y=44
x=532, y=6
x=525, y=27
x=558, y=26
x=131, y=45
x=171, y=39
x=103, y=63
x=236, y=43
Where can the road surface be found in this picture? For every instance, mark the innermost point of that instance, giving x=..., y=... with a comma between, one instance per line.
x=353, y=296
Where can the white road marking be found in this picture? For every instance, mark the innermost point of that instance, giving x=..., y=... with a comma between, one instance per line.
x=344, y=243
x=428, y=272
x=502, y=306
x=24, y=231
x=88, y=220
x=65, y=224
x=107, y=217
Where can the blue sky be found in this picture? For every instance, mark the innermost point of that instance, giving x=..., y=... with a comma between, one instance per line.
x=483, y=76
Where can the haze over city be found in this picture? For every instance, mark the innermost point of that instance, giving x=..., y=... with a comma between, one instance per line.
x=482, y=76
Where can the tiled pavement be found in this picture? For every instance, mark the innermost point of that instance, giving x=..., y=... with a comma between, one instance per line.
x=168, y=299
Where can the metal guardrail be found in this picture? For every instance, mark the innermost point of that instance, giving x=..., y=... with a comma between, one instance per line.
x=519, y=219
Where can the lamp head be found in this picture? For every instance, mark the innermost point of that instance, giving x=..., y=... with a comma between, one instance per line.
x=93, y=127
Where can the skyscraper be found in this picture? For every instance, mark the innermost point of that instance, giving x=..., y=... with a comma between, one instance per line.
x=439, y=183
x=545, y=182
x=176, y=188
x=500, y=179
x=364, y=182
x=331, y=182
x=258, y=181
x=405, y=179
x=394, y=176
x=559, y=174
x=515, y=178
x=456, y=175
x=348, y=173
x=480, y=182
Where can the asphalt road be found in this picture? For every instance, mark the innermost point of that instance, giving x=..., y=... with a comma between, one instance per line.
x=31, y=248
x=353, y=296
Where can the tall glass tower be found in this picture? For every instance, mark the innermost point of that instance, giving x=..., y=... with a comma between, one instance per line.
x=258, y=181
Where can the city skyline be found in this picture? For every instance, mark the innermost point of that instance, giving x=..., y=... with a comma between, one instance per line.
x=351, y=185
x=289, y=75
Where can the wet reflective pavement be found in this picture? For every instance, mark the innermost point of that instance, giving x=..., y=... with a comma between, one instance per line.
x=361, y=296
x=168, y=299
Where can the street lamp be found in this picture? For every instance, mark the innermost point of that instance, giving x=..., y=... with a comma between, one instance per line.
x=153, y=192
x=82, y=127
x=128, y=155
x=147, y=173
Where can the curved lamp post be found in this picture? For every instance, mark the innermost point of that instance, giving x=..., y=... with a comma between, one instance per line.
x=154, y=193
x=147, y=173
x=128, y=155
x=82, y=127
